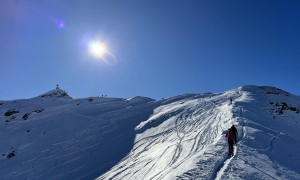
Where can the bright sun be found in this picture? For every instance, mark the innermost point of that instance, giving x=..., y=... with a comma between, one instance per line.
x=97, y=49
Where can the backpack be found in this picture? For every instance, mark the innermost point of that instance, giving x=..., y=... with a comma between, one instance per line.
x=230, y=135
x=234, y=130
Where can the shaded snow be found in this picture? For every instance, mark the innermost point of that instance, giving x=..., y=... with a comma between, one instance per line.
x=70, y=139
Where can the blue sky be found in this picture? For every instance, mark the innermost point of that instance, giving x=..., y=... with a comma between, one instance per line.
x=157, y=48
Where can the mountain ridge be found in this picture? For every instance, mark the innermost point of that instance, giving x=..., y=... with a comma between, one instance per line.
x=180, y=137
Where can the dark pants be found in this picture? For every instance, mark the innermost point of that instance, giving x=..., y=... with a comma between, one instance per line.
x=235, y=140
x=230, y=145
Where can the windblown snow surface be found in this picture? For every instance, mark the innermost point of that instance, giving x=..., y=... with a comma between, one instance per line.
x=56, y=137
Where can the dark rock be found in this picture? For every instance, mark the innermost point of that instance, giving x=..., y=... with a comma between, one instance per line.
x=272, y=92
x=38, y=110
x=11, y=112
x=10, y=119
x=284, y=107
x=11, y=154
x=25, y=117
x=279, y=111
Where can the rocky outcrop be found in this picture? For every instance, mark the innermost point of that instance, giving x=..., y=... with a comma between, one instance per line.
x=11, y=112
x=26, y=116
x=280, y=107
x=55, y=93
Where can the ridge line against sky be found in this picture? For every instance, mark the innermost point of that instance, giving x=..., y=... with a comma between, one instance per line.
x=105, y=95
x=154, y=48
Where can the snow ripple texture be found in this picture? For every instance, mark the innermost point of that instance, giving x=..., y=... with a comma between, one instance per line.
x=185, y=139
x=186, y=145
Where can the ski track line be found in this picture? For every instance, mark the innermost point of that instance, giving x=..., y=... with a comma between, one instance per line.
x=253, y=166
x=219, y=171
x=184, y=123
x=271, y=144
x=203, y=132
x=210, y=134
x=223, y=166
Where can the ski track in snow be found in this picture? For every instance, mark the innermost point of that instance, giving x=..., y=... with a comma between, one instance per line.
x=195, y=130
x=223, y=164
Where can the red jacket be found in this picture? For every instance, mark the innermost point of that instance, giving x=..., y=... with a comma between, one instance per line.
x=230, y=135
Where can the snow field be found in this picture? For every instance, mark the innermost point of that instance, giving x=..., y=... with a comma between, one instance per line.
x=182, y=137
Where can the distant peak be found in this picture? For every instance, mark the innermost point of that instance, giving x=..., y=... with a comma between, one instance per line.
x=140, y=99
x=274, y=90
x=55, y=93
x=265, y=89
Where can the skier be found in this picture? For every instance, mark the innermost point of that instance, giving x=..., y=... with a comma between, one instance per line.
x=230, y=101
x=230, y=139
x=235, y=133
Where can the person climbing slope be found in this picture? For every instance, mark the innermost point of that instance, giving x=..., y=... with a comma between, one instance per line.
x=230, y=140
x=235, y=133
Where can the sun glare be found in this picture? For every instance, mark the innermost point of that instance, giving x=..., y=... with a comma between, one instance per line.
x=97, y=49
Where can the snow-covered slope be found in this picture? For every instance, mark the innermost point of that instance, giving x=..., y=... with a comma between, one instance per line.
x=185, y=139
x=56, y=137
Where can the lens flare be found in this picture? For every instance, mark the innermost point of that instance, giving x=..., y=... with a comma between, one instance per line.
x=59, y=23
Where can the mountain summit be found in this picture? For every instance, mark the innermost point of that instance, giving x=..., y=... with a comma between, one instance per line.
x=182, y=137
x=55, y=93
